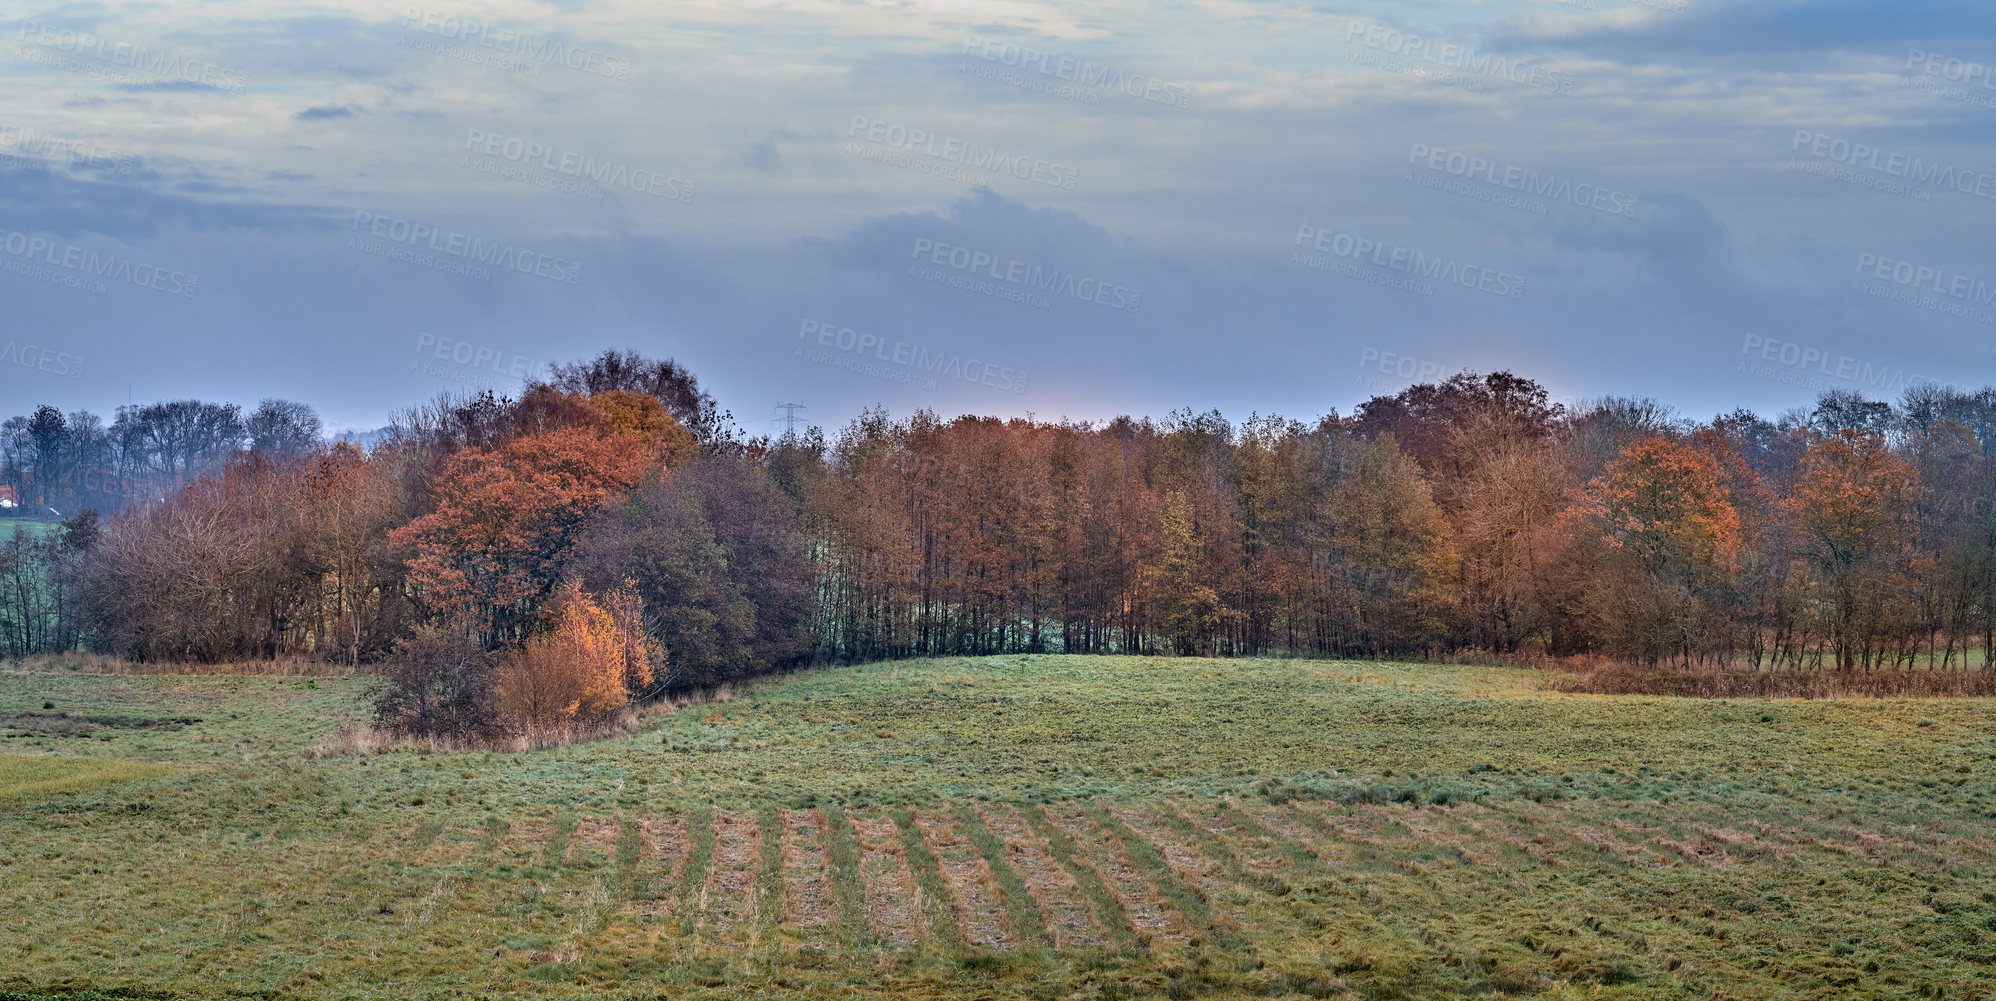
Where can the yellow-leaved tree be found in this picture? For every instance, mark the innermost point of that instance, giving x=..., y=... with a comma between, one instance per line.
x=582, y=670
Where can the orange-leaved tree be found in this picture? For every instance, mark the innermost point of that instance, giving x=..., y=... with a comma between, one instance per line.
x=640, y=416
x=506, y=519
x=1852, y=506
x=1671, y=543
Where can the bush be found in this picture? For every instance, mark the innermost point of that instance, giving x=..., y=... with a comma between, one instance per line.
x=582, y=670
x=575, y=679
x=438, y=684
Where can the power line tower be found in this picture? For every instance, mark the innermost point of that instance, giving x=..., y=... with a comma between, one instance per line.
x=789, y=420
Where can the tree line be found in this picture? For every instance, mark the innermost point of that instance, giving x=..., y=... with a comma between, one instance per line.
x=58, y=462
x=611, y=523
x=1468, y=516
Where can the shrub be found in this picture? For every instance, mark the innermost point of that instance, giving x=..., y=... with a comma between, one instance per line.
x=437, y=685
x=580, y=672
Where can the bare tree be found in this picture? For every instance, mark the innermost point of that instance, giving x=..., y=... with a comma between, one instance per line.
x=283, y=428
x=437, y=684
x=176, y=441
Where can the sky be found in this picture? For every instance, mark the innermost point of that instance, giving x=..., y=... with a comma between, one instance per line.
x=1003, y=207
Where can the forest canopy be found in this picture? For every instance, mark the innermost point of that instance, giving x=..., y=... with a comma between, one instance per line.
x=612, y=517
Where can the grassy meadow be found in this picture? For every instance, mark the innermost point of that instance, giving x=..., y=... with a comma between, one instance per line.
x=34, y=528
x=1007, y=827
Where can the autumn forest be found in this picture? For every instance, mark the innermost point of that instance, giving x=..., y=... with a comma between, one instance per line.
x=536, y=564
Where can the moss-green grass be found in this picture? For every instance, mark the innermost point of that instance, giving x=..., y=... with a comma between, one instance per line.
x=31, y=527
x=1366, y=830
x=29, y=776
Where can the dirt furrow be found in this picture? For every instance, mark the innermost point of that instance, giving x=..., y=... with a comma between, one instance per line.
x=524, y=842
x=452, y=844
x=663, y=855
x=1256, y=853
x=1537, y=847
x=1604, y=841
x=1347, y=822
x=1150, y=914
x=594, y=841
x=893, y=902
x=1193, y=867
x=1873, y=845
x=980, y=910
x=1065, y=910
x=807, y=881
x=1435, y=826
x=1283, y=822
x=731, y=879
x=1675, y=836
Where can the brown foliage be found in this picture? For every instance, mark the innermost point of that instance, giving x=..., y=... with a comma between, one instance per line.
x=1663, y=544
x=203, y=576
x=1473, y=515
x=980, y=536
x=1852, y=506
x=506, y=520
x=267, y=558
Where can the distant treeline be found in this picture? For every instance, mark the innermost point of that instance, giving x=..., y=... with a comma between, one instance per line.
x=614, y=503
x=1470, y=516
x=58, y=462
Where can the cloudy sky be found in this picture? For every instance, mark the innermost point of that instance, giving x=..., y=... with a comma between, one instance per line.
x=997, y=206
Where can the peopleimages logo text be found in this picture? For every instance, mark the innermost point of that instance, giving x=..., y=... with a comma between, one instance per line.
x=913, y=359
x=1953, y=70
x=967, y=154
x=1548, y=186
x=1461, y=57
x=1024, y=275
x=491, y=253
x=1981, y=184
x=80, y=151
x=41, y=359
x=476, y=356
x=1805, y=362
x=1078, y=71
x=80, y=264
x=1954, y=285
x=123, y=55
x=1409, y=262
x=533, y=48
x=602, y=173
x=1403, y=366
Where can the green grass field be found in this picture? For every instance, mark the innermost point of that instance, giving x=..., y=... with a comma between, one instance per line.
x=1008, y=827
x=26, y=776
